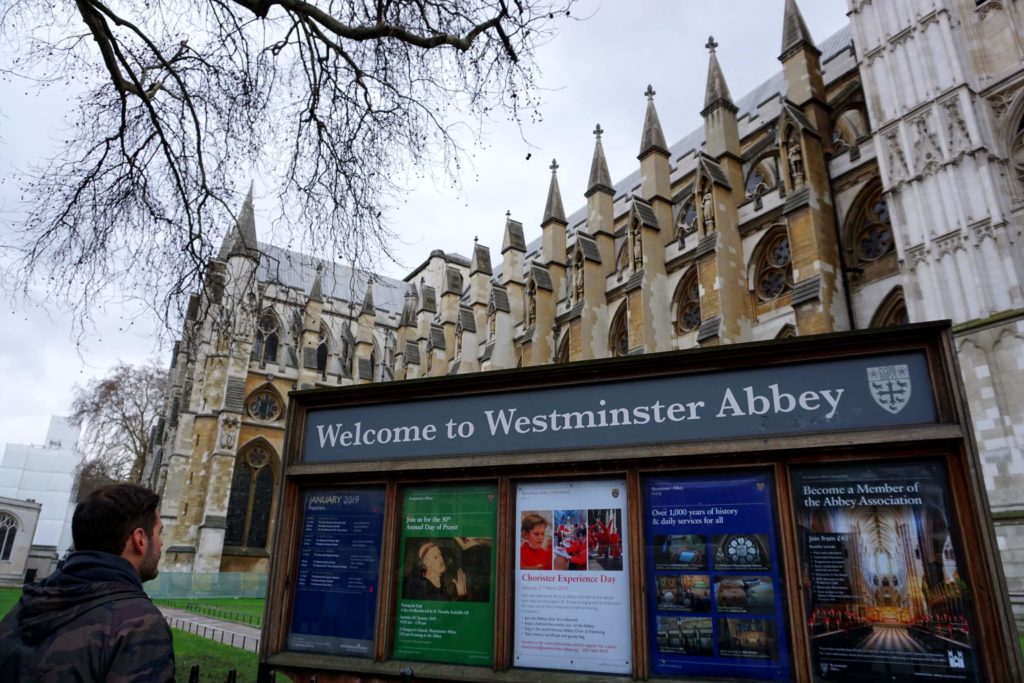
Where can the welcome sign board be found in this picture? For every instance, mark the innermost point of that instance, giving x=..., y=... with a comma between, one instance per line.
x=873, y=391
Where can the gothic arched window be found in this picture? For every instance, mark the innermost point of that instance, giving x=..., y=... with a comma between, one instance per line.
x=892, y=311
x=688, y=304
x=1017, y=153
x=774, y=275
x=264, y=348
x=252, y=492
x=8, y=530
x=264, y=405
x=762, y=177
x=873, y=238
x=686, y=221
x=562, y=356
x=323, y=348
x=618, y=337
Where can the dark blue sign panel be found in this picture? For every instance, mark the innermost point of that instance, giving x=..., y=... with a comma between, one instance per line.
x=878, y=391
x=715, y=594
x=883, y=574
x=335, y=605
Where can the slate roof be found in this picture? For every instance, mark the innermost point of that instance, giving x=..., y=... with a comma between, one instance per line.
x=338, y=282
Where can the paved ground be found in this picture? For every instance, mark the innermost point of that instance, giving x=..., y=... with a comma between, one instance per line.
x=227, y=632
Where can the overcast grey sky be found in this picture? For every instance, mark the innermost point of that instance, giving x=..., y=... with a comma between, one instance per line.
x=595, y=71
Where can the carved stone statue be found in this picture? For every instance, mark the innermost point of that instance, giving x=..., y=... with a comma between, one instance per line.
x=531, y=308
x=577, y=277
x=707, y=205
x=796, y=161
x=638, y=247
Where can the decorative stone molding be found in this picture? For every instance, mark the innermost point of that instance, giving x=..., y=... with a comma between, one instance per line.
x=949, y=243
x=987, y=7
x=228, y=431
x=927, y=153
x=982, y=231
x=897, y=160
x=917, y=255
x=1000, y=103
x=957, y=134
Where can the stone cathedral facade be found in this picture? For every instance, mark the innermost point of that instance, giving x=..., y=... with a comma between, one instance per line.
x=877, y=179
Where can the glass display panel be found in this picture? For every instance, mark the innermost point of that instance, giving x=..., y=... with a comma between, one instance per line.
x=572, y=608
x=716, y=603
x=445, y=591
x=881, y=576
x=335, y=605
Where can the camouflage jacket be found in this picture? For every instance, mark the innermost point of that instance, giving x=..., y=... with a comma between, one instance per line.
x=90, y=621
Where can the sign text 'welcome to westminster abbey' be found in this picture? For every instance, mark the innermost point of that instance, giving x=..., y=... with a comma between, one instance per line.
x=868, y=392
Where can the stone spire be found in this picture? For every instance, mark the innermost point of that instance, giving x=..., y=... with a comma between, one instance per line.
x=245, y=229
x=600, y=179
x=553, y=210
x=717, y=92
x=653, y=139
x=316, y=291
x=368, y=307
x=794, y=31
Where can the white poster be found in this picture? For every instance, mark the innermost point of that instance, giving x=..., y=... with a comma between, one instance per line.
x=572, y=582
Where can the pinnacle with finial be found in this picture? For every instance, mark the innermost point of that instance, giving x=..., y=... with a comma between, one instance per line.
x=717, y=91
x=711, y=45
x=600, y=180
x=553, y=209
x=652, y=137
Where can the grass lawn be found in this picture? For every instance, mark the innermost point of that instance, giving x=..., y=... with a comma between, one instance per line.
x=8, y=598
x=214, y=659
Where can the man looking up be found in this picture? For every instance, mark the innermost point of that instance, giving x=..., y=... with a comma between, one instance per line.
x=91, y=620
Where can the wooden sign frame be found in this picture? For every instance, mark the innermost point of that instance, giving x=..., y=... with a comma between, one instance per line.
x=947, y=440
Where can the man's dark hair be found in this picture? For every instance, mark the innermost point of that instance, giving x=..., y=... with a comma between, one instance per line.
x=109, y=514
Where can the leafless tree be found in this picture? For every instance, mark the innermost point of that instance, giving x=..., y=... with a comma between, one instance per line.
x=337, y=104
x=118, y=413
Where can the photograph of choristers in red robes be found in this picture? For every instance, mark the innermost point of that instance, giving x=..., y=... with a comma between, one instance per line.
x=571, y=546
x=605, y=539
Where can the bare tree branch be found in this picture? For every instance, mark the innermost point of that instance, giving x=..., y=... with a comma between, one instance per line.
x=179, y=103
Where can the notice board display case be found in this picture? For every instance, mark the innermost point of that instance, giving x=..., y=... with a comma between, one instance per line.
x=806, y=510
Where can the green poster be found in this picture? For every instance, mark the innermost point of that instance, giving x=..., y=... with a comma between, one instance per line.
x=446, y=574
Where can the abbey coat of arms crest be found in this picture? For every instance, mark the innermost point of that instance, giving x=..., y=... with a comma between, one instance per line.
x=890, y=386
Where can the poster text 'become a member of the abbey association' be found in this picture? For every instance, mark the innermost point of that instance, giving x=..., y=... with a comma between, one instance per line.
x=572, y=609
x=882, y=574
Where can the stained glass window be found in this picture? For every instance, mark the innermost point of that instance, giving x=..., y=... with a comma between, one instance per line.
x=688, y=311
x=252, y=490
x=775, y=268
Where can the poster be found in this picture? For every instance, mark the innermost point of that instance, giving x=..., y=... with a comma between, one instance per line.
x=445, y=585
x=335, y=605
x=572, y=609
x=716, y=605
x=882, y=580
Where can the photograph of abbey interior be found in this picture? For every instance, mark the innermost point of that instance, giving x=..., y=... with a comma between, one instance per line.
x=877, y=179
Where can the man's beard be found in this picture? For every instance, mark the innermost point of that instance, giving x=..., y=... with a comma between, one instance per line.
x=148, y=568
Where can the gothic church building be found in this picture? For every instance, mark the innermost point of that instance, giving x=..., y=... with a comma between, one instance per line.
x=877, y=179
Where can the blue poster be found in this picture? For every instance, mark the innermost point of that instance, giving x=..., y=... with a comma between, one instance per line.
x=715, y=596
x=335, y=605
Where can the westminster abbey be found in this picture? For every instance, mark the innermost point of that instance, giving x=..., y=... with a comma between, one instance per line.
x=877, y=179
